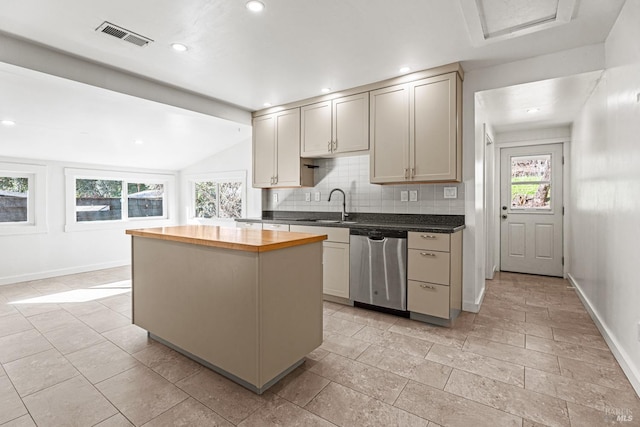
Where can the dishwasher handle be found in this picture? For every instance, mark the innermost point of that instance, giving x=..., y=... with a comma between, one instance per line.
x=376, y=237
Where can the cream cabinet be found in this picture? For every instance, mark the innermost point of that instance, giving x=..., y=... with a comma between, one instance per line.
x=416, y=131
x=434, y=272
x=336, y=126
x=276, y=151
x=275, y=227
x=249, y=225
x=335, y=258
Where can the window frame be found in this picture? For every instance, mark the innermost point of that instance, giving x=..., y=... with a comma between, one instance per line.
x=217, y=177
x=72, y=174
x=36, y=201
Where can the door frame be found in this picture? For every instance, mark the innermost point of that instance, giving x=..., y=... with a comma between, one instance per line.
x=565, y=141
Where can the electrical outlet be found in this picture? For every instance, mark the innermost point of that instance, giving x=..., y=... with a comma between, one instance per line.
x=413, y=195
x=274, y=198
x=404, y=196
x=450, y=192
x=317, y=196
x=307, y=197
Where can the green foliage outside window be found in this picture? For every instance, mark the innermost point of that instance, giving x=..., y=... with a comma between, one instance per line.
x=15, y=185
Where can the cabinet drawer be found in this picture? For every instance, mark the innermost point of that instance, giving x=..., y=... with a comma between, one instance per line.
x=429, y=241
x=249, y=225
x=334, y=234
x=428, y=266
x=276, y=227
x=428, y=298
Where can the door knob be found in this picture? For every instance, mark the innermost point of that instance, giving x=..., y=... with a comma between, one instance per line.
x=504, y=217
x=504, y=208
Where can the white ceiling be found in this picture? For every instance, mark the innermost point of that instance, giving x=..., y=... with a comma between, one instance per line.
x=69, y=121
x=558, y=102
x=288, y=52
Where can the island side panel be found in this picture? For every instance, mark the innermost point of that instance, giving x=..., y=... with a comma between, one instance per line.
x=201, y=299
x=290, y=307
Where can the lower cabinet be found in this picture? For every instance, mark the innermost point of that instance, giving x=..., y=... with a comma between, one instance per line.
x=335, y=258
x=434, y=270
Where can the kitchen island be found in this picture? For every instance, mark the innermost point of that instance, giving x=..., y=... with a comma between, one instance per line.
x=245, y=303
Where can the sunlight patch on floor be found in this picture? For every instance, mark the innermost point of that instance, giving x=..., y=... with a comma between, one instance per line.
x=81, y=295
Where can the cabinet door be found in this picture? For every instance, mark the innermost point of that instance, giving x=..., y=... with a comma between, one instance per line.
x=433, y=125
x=316, y=130
x=288, y=148
x=335, y=269
x=351, y=123
x=264, y=134
x=389, y=134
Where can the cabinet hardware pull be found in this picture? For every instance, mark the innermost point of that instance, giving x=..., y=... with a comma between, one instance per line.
x=406, y=173
x=427, y=254
x=413, y=172
x=428, y=236
x=272, y=180
x=334, y=146
x=275, y=179
x=329, y=146
x=428, y=287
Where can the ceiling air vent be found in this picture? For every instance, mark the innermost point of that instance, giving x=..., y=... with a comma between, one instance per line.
x=123, y=34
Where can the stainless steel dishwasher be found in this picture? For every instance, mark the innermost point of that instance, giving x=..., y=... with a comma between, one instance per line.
x=378, y=268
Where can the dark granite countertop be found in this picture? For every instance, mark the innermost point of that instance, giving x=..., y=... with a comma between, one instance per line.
x=408, y=222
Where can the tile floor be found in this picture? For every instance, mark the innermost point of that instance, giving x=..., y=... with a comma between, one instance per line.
x=532, y=357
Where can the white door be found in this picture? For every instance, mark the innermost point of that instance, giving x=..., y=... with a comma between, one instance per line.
x=531, y=210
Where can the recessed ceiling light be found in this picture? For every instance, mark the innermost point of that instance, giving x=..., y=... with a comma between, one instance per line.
x=8, y=122
x=255, y=6
x=404, y=69
x=179, y=47
x=266, y=104
x=325, y=90
x=533, y=110
x=138, y=142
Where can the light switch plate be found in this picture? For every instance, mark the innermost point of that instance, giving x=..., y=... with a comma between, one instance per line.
x=413, y=195
x=275, y=197
x=404, y=196
x=317, y=196
x=450, y=192
x=307, y=197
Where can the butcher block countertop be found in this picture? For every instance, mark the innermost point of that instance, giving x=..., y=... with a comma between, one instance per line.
x=229, y=238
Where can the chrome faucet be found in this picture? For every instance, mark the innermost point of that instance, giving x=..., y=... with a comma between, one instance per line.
x=344, y=202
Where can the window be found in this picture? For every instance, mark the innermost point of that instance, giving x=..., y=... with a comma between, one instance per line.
x=531, y=182
x=22, y=198
x=103, y=197
x=217, y=196
x=14, y=198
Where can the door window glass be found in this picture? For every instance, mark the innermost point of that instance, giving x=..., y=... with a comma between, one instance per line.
x=531, y=182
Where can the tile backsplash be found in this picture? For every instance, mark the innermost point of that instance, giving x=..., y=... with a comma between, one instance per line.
x=351, y=174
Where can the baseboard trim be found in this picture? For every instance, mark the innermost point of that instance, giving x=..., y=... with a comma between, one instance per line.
x=618, y=351
x=61, y=272
x=474, y=307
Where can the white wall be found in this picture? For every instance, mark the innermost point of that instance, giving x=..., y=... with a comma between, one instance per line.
x=236, y=158
x=56, y=252
x=560, y=64
x=605, y=186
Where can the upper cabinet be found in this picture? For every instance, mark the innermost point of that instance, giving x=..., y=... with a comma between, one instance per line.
x=336, y=126
x=416, y=131
x=276, y=151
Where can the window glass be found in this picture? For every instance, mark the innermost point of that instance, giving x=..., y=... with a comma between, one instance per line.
x=14, y=199
x=98, y=200
x=145, y=200
x=230, y=199
x=206, y=199
x=531, y=182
